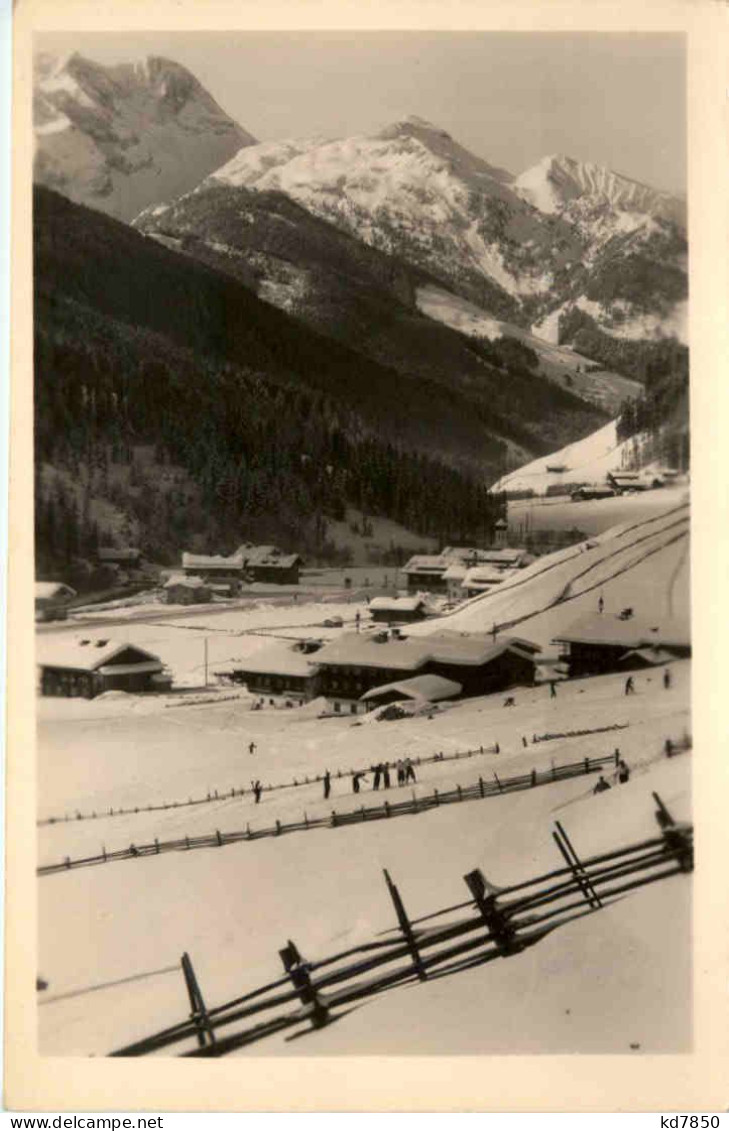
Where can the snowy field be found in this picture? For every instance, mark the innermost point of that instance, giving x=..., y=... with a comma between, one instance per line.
x=111, y=936
x=593, y=516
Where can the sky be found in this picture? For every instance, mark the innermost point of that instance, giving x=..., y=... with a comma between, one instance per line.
x=616, y=99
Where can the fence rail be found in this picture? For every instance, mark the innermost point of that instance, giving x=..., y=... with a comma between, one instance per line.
x=497, y=922
x=414, y=804
x=217, y=795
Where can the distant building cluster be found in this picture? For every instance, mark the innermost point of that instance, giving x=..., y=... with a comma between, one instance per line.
x=459, y=572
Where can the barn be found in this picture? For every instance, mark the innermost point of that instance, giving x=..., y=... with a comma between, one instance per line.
x=182, y=590
x=598, y=644
x=354, y=664
x=281, y=670
x=87, y=668
x=397, y=610
x=52, y=599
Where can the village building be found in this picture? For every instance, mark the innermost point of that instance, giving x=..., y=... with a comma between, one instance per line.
x=419, y=689
x=426, y=573
x=483, y=578
x=87, y=668
x=52, y=599
x=124, y=557
x=179, y=589
x=439, y=573
x=215, y=568
x=285, y=670
x=453, y=578
x=354, y=664
x=602, y=643
x=397, y=610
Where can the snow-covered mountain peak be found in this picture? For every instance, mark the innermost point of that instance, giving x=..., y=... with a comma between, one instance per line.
x=556, y=181
x=122, y=137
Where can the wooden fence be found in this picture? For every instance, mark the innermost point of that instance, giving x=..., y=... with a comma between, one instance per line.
x=414, y=804
x=216, y=795
x=492, y=923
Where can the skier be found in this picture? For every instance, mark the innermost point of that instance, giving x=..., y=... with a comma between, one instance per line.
x=386, y=775
x=600, y=604
x=400, y=769
x=327, y=784
x=524, y=741
x=252, y=748
x=623, y=772
x=601, y=785
x=552, y=689
x=377, y=771
x=666, y=679
x=629, y=687
x=356, y=621
x=257, y=787
x=409, y=771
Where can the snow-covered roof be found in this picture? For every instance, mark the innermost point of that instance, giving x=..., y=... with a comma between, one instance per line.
x=486, y=575
x=397, y=604
x=212, y=561
x=427, y=687
x=92, y=655
x=47, y=590
x=455, y=572
x=118, y=554
x=502, y=556
x=425, y=564
x=608, y=630
x=280, y=659
x=649, y=655
x=269, y=556
x=186, y=582
x=410, y=653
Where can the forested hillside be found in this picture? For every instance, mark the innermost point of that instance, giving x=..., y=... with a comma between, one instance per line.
x=276, y=428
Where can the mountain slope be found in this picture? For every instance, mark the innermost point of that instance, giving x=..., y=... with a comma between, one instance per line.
x=123, y=137
x=359, y=296
x=562, y=235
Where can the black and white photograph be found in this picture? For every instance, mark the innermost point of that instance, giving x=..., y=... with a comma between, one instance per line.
x=362, y=503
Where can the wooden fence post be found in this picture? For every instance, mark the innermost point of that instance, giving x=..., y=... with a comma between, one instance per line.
x=500, y=929
x=297, y=969
x=218, y=837
x=534, y=777
x=387, y=808
x=415, y=802
x=405, y=927
x=435, y=795
x=587, y=765
x=480, y=785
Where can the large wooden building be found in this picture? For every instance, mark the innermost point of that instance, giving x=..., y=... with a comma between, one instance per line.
x=603, y=643
x=282, y=670
x=355, y=664
x=87, y=668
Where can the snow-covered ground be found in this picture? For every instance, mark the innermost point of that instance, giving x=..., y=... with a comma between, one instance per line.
x=559, y=363
x=111, y=936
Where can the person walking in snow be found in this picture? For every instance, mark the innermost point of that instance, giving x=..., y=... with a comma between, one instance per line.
x=327, y=784
x=600, y=604
x=400, y=770
x=524, y=741
x=552, y=689
x=409, y=770
x=252, y=748
x=666, y=679
x=257, y=787
x=386, y=775
x=601, y=785
x=356, y=779
x=629, y=686
x=377, y=771
x=623, y=772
